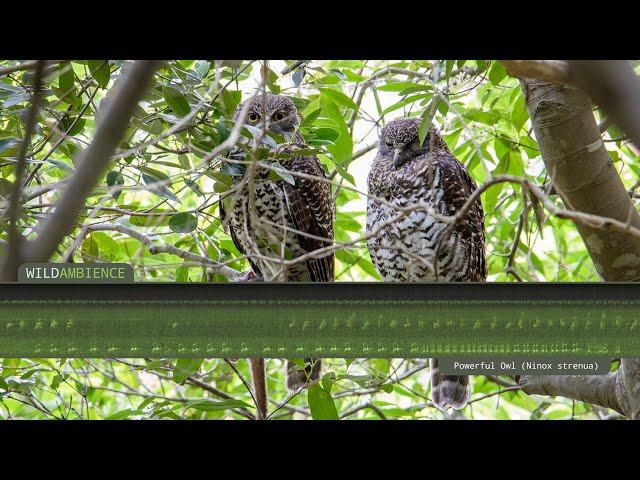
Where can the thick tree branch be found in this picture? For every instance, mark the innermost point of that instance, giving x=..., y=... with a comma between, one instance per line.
x=93, y=161
x=611, y=84
x=556, y=71
x=584, y=176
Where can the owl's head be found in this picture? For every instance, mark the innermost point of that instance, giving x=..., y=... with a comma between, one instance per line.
x=278, y=113
x=399, y=140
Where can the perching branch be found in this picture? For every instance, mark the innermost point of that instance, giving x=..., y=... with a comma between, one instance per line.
x=93, y=161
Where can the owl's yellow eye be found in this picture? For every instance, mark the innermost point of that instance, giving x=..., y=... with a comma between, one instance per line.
x=253, y=117
x=279, y=116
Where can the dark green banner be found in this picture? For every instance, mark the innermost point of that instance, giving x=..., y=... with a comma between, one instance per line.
x=339, y=320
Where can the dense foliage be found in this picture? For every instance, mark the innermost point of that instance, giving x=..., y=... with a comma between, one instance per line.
x=163, y=185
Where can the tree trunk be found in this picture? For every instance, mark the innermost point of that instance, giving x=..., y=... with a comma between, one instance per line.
x=584, y=176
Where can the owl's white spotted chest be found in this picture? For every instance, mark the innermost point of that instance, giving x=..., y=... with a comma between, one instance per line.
x=405, y=248
x=266, y=232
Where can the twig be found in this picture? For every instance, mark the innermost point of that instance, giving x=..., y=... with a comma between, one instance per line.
x=293, y=66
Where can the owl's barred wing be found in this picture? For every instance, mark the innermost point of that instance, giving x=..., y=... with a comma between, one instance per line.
x=311, y=208
x=234, y=238
x=458, y=186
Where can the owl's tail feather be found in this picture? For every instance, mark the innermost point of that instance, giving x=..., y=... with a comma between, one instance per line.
x=298, y=378
x=448, y=391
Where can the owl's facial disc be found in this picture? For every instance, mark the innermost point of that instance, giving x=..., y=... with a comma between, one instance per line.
x=403, y=153
x=400, y=141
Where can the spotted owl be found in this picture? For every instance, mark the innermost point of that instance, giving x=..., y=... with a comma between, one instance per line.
x=280, y=217
x=417, y=246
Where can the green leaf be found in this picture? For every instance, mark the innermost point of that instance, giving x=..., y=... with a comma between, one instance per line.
x=176, y=101
x=202, y=68
x=338, y=97
x=60, y=165
x=184, y=162
x=406, y=101
x=497, y=72
x=161, y=219
x=231, y=100
x=194, y=187
x=321, y=404
x=310, y=118
x=213, y=405
x=185, y=367
x=115, y=178
x=7, y=145
x=67, y=79
x=109, y=248
x=56, y=381
x=183, y=222
x=396, y=86
x=122, y=414
x=342, y=149
x=297, y=76
x=491, y=194
x=427, y=118
x=100, y=71
x=90, y=250
x=488, y=118
x=152, y=182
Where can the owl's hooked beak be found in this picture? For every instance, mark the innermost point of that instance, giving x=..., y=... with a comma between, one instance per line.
x=398, y=157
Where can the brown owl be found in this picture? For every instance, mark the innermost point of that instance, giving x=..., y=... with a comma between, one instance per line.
x=419, y=247
x=271, y=218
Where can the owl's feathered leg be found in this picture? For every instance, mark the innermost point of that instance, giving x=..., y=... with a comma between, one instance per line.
x=448, y=391
x=298, y=378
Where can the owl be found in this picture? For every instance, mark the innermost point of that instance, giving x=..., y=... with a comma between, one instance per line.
x=273, y=217
x=419, y=247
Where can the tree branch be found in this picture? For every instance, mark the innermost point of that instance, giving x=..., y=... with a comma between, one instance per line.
x=612, y=85
x=16, y=240
x=154, y=249
x=584, y=176
x=93, y=161
x=555, y=71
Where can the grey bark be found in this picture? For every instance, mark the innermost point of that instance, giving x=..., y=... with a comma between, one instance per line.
x=585, y=178
x=584, y=175
x=613, y=85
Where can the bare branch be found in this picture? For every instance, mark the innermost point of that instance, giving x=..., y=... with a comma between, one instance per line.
x=293, y=66
x=556, y=71
x=613, y=85
x=93, y=161
x=30, y=65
